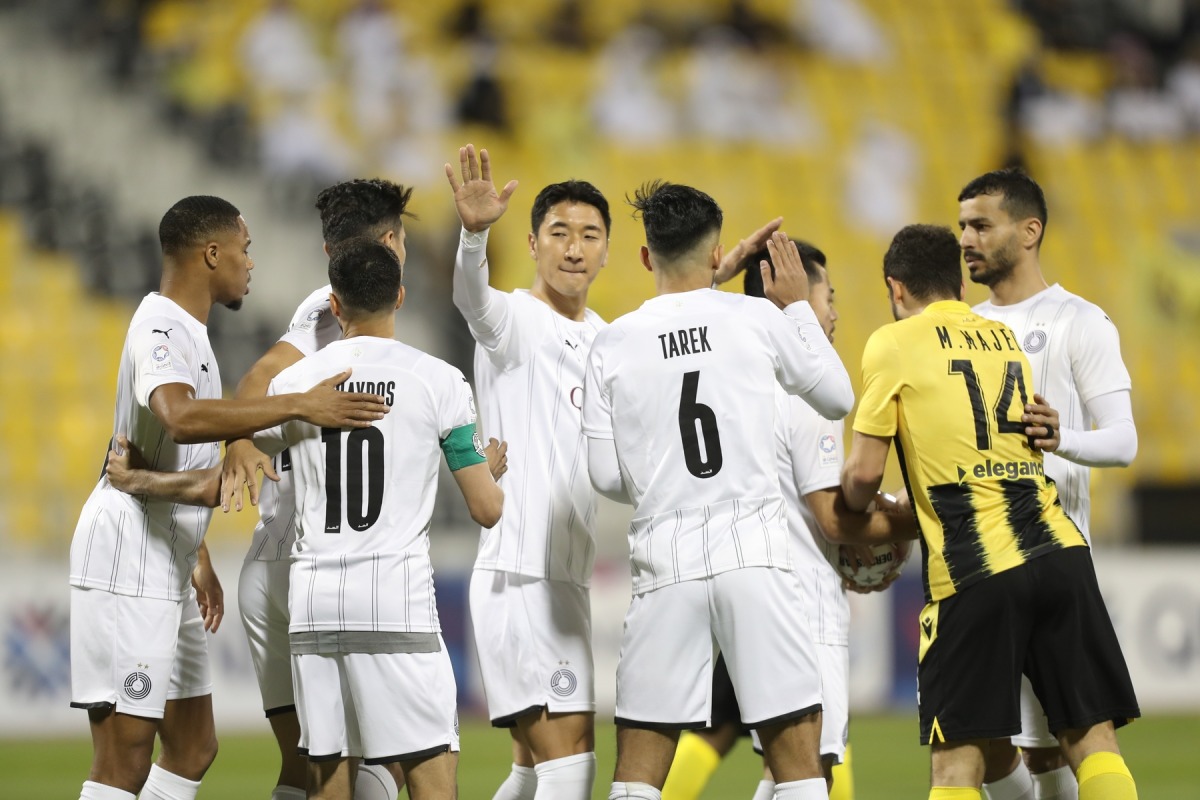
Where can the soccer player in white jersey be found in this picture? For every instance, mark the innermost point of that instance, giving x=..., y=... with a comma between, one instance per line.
x=530, y=607
x=679, y=411
x=373, y=208
x=372, y=675
x=139, y=660
x=1075, y=353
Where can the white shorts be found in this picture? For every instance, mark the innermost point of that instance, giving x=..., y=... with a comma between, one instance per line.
x=1035, y=728
x=534, y=641
x=136, y=653
x=664, y=677
x=835, y=700
x=263, y=606
x=379, y=707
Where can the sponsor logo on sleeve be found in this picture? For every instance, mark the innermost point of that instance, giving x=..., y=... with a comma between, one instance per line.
x=310, y=322
x=160, y=357
x=828, y=447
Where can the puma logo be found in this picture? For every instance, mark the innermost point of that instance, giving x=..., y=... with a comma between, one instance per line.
x=166, y=333
x=204, y=367
x=570, y=344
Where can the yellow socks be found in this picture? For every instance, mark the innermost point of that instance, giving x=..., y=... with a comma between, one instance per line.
x=954, y=793
x=1104, y=776
x=843, y=779
x=695, y=762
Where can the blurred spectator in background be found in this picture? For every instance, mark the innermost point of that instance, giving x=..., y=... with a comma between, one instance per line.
x=278, y=52
x=881, y=171
x=630, y=105
x=841, y=29
x=1137, y=107
x=482, y=100
x=567, y=27
x=1183, y=81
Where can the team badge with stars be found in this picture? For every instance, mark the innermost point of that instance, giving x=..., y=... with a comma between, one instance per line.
x=563, y=682
x=1035, y=340
x=137, y=683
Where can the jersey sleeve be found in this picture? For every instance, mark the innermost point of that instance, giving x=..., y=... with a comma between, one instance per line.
x=274, y=440
x=807, y=365
x=597, y=403
x=158, y=359
x=815, y=444
x=313, y=326
x=879, y=406
x=458, y=424
x=1095, y=352
x=488, y=311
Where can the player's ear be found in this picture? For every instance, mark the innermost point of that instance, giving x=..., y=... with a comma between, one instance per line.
x=717, y=254
x=533, y=245
x=335, y=305
x=325, y=247
x=1033, y=232
x=645, y=255
x=212, y=254
x=400, y=298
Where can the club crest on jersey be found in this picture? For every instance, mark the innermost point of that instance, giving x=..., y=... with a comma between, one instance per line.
x=137, y=685
x=828, y=447
x=1034, y=341
x=478, y=442
x=563, y=682
x=161, y=356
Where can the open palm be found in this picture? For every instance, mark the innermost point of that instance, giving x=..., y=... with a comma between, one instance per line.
x=478, y=203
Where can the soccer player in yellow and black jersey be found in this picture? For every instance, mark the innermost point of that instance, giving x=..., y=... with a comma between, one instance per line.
x=1009, y=583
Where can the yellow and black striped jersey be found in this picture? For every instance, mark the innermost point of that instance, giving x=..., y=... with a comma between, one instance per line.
x=950, y=386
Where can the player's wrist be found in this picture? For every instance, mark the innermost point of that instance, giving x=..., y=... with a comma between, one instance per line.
x=474, y=239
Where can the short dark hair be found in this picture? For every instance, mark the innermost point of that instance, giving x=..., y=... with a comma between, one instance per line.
x=1023, y=198
x=193, y=221
x=571, y=191
x=365, y=275
x=926, y=259
x=810, y=257
x=676, y=217
x=362, y=207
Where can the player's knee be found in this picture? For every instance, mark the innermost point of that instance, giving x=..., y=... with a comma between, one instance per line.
x=1043, y=759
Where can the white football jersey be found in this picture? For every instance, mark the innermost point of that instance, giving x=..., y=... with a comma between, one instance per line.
x=1075, y=353
x=364, y=497
x=529, y=373
x=313, y=326
x=685, y=386
x=136, y=545
x=810, y=458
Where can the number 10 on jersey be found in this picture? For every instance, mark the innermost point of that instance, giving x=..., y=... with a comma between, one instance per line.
x=360, y=473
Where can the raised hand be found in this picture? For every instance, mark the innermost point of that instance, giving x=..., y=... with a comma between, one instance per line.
x=733, y=260
x=326, y=407
x=790, y=284
x=478, y=203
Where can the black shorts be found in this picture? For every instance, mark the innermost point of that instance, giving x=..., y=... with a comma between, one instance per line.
x=1046, y=619
x=725, y=709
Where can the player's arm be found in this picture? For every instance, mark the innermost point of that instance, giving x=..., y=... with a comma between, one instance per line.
x=863, y=471
x=605, y=471
x=734, y=259
x=189, y=420
x=127, y=470
x=1112, y=443
x=210, y=597
x=242, y=459
x=485, y=499
x=808, y=365
x=479, y=206
x=837, y=523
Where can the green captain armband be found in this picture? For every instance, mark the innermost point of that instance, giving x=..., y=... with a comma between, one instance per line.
x=463, y=448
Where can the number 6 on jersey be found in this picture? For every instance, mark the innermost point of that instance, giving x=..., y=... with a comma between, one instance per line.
x=698, y=429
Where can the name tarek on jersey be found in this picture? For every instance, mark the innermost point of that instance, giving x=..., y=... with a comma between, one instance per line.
x=687, y=342
x=385, y=389
x=985, y=340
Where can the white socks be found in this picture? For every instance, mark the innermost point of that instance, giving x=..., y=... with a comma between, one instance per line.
x=567, y=778
x=809, y=789
x=1017, y=785
x=99, y=791
x=520, y=784
x=1058, y=784
x=163, y=785
x=374, y=782
x=288, y=793
x=765, y=790
x=633, y=791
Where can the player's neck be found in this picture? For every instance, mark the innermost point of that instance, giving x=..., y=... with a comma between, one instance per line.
x=570, y=306
x=666, y=282
x=1022, y=283
x=192, y=296
x=378, y=327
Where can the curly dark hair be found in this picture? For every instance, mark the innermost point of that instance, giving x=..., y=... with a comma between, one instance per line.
x=193, y=221
x=362, y=207
x=676, y=217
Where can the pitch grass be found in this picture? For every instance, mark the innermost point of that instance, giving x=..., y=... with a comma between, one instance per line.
x=888, y=763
